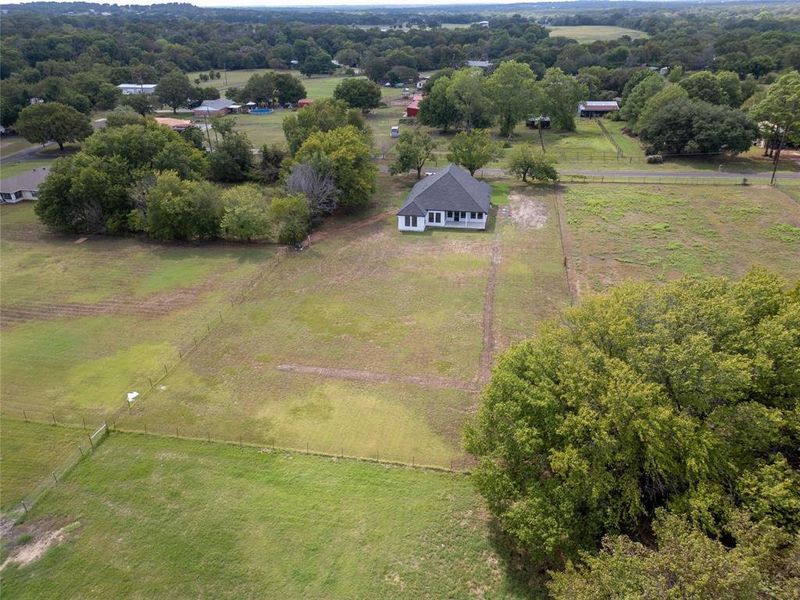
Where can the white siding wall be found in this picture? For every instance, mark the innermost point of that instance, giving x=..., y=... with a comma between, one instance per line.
x=401, y=224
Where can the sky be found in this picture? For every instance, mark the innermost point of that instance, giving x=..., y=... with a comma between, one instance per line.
x=273, y=3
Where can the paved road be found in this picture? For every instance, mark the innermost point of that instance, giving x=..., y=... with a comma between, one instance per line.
x=28, y=153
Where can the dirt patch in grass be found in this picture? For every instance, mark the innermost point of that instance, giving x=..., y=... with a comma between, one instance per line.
x=31, y=540
x=528, y=212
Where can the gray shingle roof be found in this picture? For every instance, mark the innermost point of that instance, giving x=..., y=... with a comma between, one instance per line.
x=26, y=181
x=452, y=188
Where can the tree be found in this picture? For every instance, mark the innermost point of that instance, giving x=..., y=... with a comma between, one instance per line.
x=524, y=161
x=289, y=215
x=646, y=89
x=92, y=192
x=348, y=155
x=561, y=95
x=272, y=158
x=246, y=213
x=670, y=93
x=290, y=88
x=686, y=564
x=414, y=148
x=468, y=93
x=178, y=209
x=318, y=62
x=643, y=398
x=731, y=88
x=358, y=93
x=703, y=85
x=472, y=149
x=141, y=103
x=317, y=182
x=174, y=89
x=514, y=95
x=232, y=158
x=781, y=107
x=124, y=115
x=323, y=115
x=376, y=68
x=438, y=108
x=52, y=121
x=687, y=126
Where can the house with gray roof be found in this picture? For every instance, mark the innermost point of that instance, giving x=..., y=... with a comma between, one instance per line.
x=24, y=186
x=450, y=198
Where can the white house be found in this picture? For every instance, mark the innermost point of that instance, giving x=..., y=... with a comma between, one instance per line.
x=131, y=89
x=450, y=198
x=24, y=186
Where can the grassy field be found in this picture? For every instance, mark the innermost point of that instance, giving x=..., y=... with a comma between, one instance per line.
x=113, y=313
x=369, y=299
x=12, y=144
x=658, y=232
x=30, y=452
x=594, y=33
x=148, y=517
x=531, y=282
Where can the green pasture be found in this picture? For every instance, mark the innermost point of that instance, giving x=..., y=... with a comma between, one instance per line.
x=531, y=282
x=151, y=517
x=407, y=305
x=594, y=33
x=30, y=452
x=658, y=232
x=84, y=323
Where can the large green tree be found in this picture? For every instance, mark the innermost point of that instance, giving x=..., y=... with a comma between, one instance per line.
x=645, y=397
x=413, y=149
x=52, y=121
x=348, y=154
x=781, y=108
x=468, y=91
x=514, y=95
x=705, y=86
x=246, y=213
x=323, y=115
x=686, y=126
x=639, y=96
x=438, y=109
x=179, y=209
x=473, y=149
x=561, y=94
x=358, y=93
x=174, y=89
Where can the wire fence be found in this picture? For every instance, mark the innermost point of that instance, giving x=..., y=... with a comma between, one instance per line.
x=73, y=456
x=667, y=180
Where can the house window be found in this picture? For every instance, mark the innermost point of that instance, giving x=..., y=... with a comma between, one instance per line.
x=463, y=214
x=407, y=221
x=434, y=217
x=449, y=214
x=7, y=196
x=413, y=221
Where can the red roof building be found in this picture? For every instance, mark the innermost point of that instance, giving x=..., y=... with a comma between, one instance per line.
x=304, y=102
x=412, y=110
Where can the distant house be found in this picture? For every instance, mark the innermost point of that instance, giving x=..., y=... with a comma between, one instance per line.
x=24, y=186
x=304, y=102
x=174, y=124
x=215, y=108
x=412, y=110
x=450, y=198
x=480, y=64
x=597, y=108
x=132, y=89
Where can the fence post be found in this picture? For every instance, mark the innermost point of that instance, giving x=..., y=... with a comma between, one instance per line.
x=25, y=414
x=176, y=431
x=91, y=443
x=151, y=383
x=145, y=428
x=240, y=442
x=53, y=473
x=25, y=508
x=81, y=449
x=306, y=447
x=165, y=369
x=84, y=422
x=54, y=417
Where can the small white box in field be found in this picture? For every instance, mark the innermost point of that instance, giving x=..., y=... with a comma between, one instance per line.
x=132, y=396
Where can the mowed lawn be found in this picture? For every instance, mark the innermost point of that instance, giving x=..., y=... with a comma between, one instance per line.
x=85, y=323
x=149, y=517
x=370, y=299
x=594, y=33
x=660, y=232
x=29, y=452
